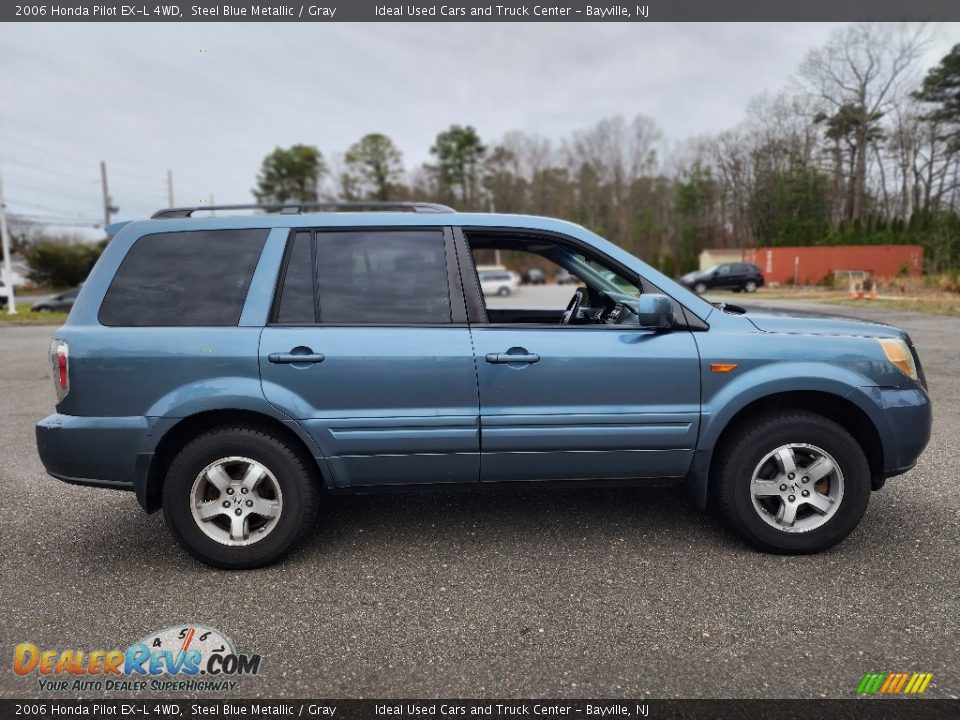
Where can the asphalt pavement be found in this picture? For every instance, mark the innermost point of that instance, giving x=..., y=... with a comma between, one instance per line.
x=499, y=593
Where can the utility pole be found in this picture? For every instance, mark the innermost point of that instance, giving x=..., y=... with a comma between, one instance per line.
x=169, y=188
x=108, y=206
x=7, y=267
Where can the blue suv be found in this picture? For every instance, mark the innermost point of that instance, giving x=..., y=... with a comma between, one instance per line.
x=232, y=370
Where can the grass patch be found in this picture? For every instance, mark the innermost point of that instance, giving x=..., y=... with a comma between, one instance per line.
x=27, y=317
x=930, y=302
x=932, y=305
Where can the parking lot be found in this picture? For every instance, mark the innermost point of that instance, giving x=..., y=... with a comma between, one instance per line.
x=501, y=593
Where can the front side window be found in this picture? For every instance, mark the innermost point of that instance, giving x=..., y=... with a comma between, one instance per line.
x=195, y=278
x=543, y=278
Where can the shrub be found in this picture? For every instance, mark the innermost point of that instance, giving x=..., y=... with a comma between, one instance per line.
x=55, y=263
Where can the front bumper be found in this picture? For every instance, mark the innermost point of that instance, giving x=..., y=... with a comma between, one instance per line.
x=905, y=421
x=98, y=451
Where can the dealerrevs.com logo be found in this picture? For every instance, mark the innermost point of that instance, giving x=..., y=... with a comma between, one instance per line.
x=188, y=658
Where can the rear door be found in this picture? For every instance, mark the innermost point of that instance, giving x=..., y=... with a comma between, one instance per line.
x=367, y=350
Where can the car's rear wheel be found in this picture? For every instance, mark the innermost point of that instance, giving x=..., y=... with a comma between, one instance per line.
x=792, y=482
x=503, y=291
x=700, y=288
x=750, y=286
x=239, y=497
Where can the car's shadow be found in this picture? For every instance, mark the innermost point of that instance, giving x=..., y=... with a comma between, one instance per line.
x=655, y=517
x=527, y=516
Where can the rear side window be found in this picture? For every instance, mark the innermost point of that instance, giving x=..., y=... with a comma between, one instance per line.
x=386, y=276
x=197, y=278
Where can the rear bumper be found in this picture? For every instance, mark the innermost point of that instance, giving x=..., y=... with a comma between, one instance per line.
x=96, y=451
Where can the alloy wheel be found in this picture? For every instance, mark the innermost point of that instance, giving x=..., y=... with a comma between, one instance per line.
x=236, y=501
x=797, y=487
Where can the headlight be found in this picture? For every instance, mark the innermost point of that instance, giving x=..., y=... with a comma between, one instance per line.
x=899, y=354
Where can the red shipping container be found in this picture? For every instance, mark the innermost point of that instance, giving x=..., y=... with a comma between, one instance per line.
x=810, y=265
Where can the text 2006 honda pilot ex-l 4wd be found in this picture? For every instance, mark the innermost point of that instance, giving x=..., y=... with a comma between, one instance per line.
x=232, y=369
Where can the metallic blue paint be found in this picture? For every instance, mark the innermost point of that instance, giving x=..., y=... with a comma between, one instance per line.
x=391, y=404
x=385, y=403
x=596, y=390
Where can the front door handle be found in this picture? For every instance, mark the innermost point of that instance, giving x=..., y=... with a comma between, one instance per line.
x=295, y=357
x=511, y=357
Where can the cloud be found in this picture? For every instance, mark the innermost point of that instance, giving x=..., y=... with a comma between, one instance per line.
x=208, y=101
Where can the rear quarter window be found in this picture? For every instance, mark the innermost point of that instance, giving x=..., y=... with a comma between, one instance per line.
x=195, y=278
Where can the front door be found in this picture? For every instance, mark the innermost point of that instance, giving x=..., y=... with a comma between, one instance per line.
x=368, y=353
x=578, y=401
x=583, y=403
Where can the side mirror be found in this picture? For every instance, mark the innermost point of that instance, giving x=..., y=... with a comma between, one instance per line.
x=655, y=311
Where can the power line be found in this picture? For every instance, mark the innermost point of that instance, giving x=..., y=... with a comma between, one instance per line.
x=133, y=178
x=46, y=170
x=36, y=206
x=41, y=220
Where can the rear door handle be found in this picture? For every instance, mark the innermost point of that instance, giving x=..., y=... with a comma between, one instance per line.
x=291, y=358
x=509, y=358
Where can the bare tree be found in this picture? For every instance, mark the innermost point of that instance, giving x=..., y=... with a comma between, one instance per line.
x=859, y=76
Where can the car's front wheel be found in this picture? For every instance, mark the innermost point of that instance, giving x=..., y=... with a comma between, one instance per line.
x=239, y=497
x=792, y=482
x=700, y=288
x=503, y=291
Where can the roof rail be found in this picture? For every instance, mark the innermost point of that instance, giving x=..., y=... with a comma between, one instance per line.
x=296, y=208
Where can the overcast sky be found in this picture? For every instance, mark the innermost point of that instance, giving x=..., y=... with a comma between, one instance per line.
x=208, y=101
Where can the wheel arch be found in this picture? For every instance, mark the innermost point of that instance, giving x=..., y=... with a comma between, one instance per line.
x=843, y=411
x=152, y=467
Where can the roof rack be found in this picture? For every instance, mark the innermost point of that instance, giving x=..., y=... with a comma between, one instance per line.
x=297, y=208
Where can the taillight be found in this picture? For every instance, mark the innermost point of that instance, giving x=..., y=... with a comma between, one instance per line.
x=60, y=364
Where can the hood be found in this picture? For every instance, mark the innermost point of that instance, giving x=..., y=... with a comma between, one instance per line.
x=821, y=325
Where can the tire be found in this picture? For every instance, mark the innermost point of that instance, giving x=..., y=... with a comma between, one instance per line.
x=700, y=288
x=288, y=487
x=503, y=291
x=812, y=438
x=42, y=308
x=750, y=286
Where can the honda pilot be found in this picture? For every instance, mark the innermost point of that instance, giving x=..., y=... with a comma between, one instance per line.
x=235, y=370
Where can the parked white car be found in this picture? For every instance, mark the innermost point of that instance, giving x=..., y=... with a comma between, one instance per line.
x=498, y=282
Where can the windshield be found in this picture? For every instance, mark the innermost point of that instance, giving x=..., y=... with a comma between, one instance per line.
x=593, y=274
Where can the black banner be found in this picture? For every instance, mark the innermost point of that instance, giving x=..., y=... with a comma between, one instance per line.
x=875, y=709
x=473, y=11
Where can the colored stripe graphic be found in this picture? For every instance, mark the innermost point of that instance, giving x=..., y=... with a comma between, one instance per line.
x=901, y=681
x=894, y=683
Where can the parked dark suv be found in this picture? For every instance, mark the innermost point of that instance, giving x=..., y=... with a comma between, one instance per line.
x=232, y=370
x=728, y=276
